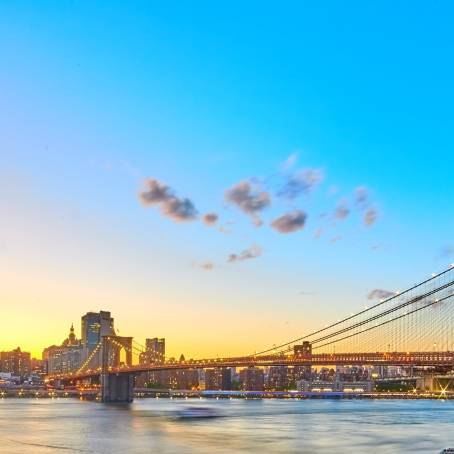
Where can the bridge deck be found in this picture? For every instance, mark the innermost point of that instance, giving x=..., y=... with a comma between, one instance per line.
x=378, y=359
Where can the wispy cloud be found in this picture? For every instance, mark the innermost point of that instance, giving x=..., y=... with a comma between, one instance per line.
x=210, y=219
x=362, y=197
x=290, y=161
x=251, y=253
x=248, y=199
x=159, y=194
x=446, y=252
x=290, y=222
x=362, y=200
x=301, y=182
x=370, y=217
x=342, y=211
x=207, y=266
x=380, y=294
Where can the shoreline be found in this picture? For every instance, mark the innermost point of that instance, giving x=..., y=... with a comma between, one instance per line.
x=223, y=395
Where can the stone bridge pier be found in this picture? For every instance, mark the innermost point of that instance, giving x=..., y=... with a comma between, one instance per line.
x=117, y=387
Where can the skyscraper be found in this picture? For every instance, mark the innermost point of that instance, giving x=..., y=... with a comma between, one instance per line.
x=155, y=351
x=94, y=326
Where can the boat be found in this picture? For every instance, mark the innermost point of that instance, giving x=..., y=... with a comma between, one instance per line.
x=447, y=451
x=197, y=412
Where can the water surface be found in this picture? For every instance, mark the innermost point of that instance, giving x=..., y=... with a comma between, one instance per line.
x=247, y=426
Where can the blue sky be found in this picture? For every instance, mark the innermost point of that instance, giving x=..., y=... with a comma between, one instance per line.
x=98, y=96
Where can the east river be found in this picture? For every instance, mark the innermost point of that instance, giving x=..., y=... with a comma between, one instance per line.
x=244, y=426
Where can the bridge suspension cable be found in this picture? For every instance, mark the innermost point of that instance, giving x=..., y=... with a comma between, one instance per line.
x=380, y=324
x=89, y=358
x=376, y=312
x=385, y=313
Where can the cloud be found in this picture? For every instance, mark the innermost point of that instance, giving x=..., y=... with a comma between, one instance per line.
x=251, y=253
x=290, y=161
x=210, y=219
x=446, y=251
x=318, y=233
x=362, y=196
x=342, y=211
x=290, y=222
x=362, y=201
x=179, y=209
x=207, y=266
x=370, y=217
x=379, y=294
x=301, y=183
x=335, y=239
x=248, y=199
x=158, y=193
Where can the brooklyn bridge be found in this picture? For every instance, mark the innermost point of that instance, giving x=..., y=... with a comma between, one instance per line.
x=414, y=327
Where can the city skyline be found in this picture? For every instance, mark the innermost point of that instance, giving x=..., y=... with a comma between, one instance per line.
x=397, y=305
x=224, y=189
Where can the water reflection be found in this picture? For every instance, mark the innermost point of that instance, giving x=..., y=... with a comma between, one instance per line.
x=271, y=426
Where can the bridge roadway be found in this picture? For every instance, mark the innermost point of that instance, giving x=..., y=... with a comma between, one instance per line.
x=322, y=359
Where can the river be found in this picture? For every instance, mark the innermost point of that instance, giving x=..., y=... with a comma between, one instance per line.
x=42, y=426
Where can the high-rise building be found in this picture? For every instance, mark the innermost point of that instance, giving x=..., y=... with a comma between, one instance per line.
x=155, y=351
x=277, y=378
x=251, y=379
x=303, y=350
x=218, y=379
x=94, y=326
x=16, y=362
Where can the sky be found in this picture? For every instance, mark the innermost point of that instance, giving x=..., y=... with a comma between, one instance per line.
x=228, y=176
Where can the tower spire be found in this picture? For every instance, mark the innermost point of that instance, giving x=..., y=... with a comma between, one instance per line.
x=72, y=336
